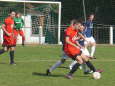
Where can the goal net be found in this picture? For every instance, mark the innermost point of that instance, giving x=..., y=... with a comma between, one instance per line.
x=42, y=19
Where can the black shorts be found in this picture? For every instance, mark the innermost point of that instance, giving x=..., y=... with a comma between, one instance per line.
x=74, y=57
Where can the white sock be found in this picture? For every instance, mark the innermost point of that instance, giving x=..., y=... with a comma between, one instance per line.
x=86, y=52
x=84, y=67
x=92, y=51
x=72, y=64
x=55, y=66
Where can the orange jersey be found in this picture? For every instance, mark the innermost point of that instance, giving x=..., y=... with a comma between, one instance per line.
x=9, y=22
x=73, y=36
x=9, y=40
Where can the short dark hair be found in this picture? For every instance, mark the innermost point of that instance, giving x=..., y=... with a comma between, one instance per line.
x=90, y=14
x=11, y=11
x=75, y=21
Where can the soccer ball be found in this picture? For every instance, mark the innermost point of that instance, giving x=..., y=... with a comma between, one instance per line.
x=96, y=75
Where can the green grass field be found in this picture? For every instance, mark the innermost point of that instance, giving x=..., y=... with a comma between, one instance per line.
x=32, y=62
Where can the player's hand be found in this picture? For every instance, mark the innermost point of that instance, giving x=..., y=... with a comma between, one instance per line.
x=77, y=47
x=9, y=34
x=82, y=47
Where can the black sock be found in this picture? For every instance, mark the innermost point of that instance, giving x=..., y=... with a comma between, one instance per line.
x=90, y=65
x=74, y=68
x=23, y=42
x=2, y=51
x=11, y=56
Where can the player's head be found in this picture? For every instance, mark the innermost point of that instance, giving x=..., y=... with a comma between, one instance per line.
x=82, y=27
x=77, y=24
x=18, y=15
x=73, y=21
x=12, y=14
x=91, y=17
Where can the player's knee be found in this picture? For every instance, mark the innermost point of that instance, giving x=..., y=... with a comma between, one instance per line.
x=5, y=49
x=79, y=60
x=84, y=57
x=93, y=44
x=63, y=60
x=12, y=48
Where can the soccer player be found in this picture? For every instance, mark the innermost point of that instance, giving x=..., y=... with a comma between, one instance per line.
x=18, y=24
x=9, y=37
x=84, y=50
x=88, y=33
x=73, y=50
x=64, y=56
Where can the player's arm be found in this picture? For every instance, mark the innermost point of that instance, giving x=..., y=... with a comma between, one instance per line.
x=23, y=23
x=82, y=36
x=69, y=42
x=77, y=43
x=6, y=32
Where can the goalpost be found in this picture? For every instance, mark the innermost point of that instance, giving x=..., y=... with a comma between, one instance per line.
x=48, y=22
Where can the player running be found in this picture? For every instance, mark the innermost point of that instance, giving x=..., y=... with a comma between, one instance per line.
x=73, y=50
x=9, y=37
x=63, y=59
x=80, y=43
x=19, y=23
x=88, y=33
x=64, y=56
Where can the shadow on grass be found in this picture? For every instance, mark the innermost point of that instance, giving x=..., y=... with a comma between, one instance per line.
x=44, y=74
x=63, y=67
x=3, y=63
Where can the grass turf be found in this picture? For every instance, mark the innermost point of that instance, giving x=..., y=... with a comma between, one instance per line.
x=32, y=62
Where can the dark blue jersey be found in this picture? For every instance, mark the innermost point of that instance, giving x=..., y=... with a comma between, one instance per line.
x=88, y=29
x=81, y=41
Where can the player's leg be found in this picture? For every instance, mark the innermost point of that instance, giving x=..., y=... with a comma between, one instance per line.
x=75, y=67
x=3, y=50
x=86, y=45
x=84, y=66
x=93, y=46
x=23, y=36
x=88, y=63
x=11, y=53
x=91, y=42
x=72, y=64
x=5, y=44
x=57, y=64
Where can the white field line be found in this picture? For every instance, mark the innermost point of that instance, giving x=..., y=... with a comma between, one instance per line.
x=46, y=60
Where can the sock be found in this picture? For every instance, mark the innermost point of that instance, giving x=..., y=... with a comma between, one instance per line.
x=90, y=65
x=23, y=38
x=84, y=67
x=2, y=51
x=55, y=65
x=86, y=52
x=92, y=51
x=11, y=56
x=74, y=68
x=72, y=64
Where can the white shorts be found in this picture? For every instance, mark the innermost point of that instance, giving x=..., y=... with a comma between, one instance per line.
x=85, y=51
x=64, y=56
x=90, y=40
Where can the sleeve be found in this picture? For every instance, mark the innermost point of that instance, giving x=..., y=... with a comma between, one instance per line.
x=22, y=22
x=6, y=21
x=68, y=32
